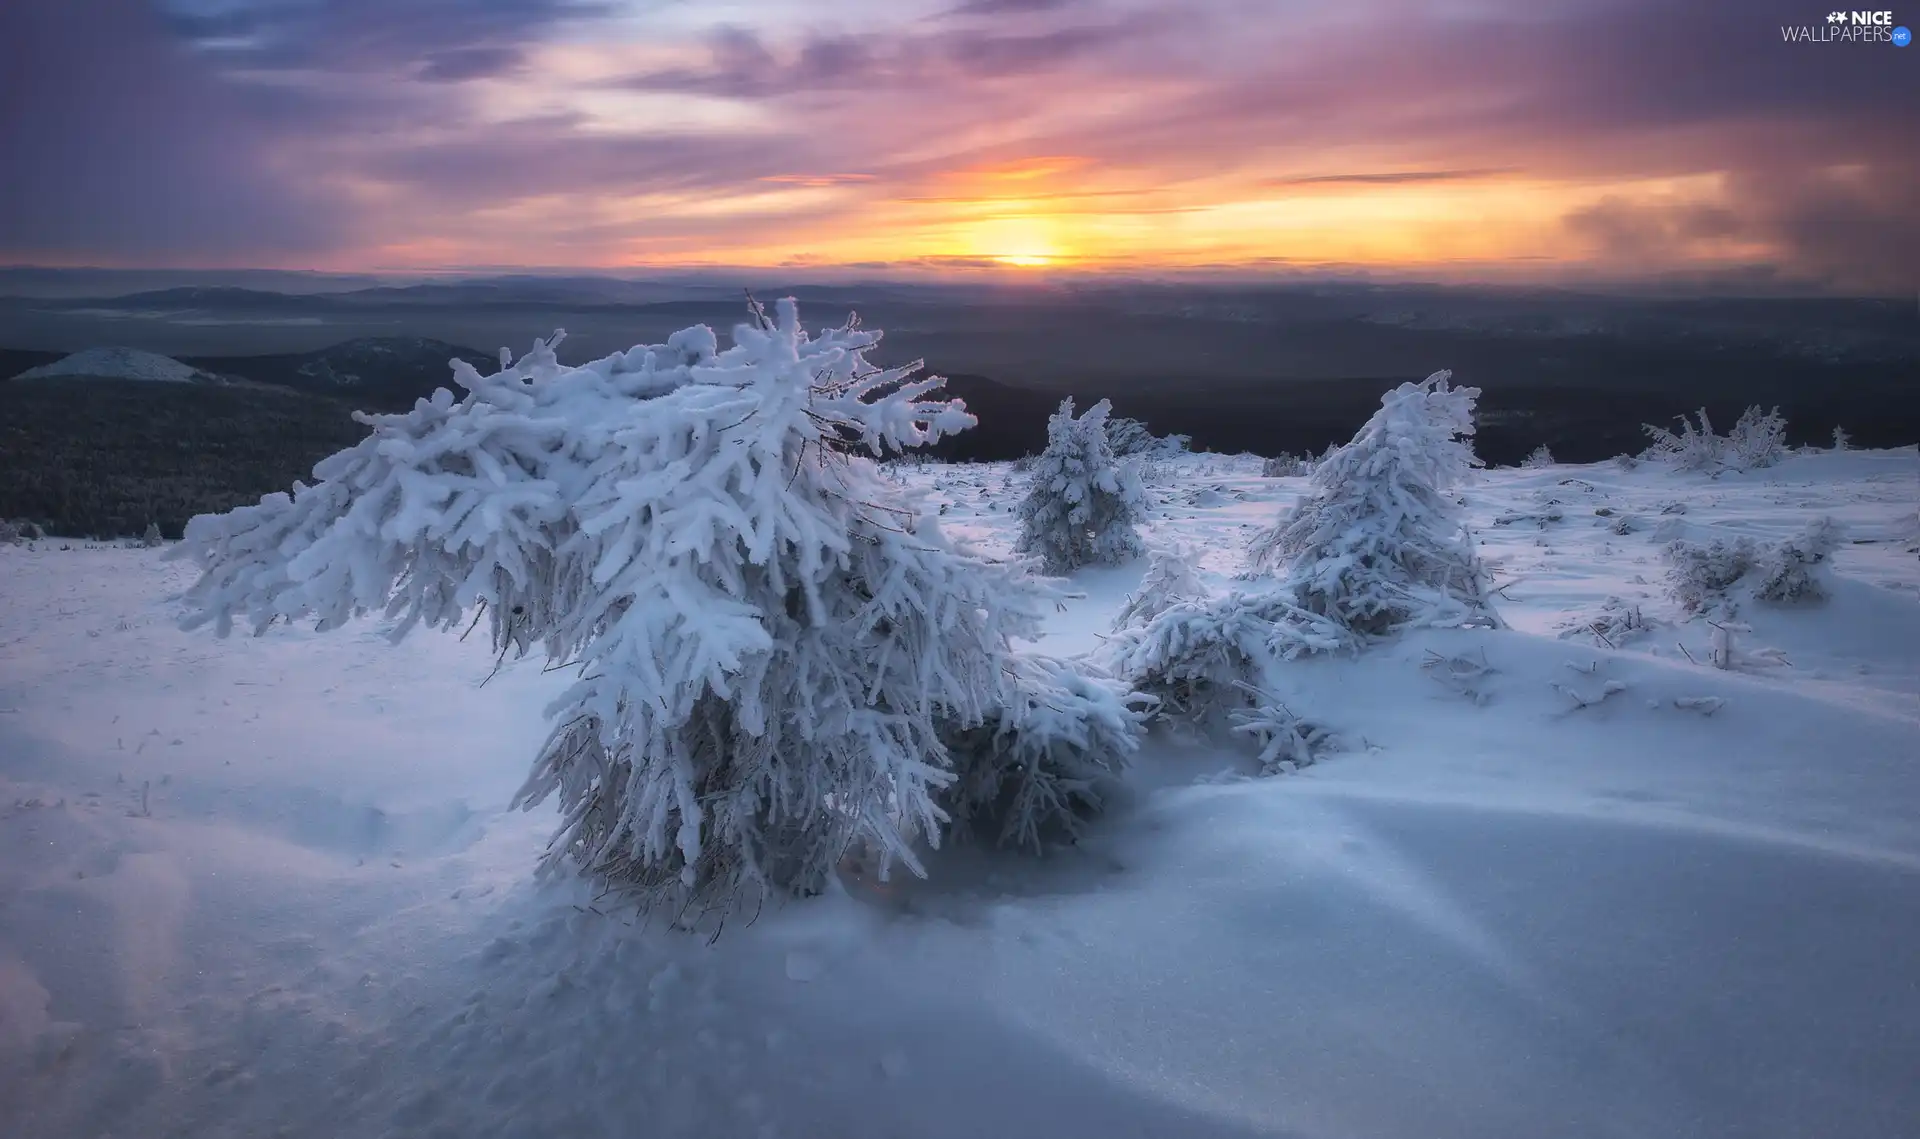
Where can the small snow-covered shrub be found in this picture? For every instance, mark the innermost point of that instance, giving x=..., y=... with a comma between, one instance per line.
x=1788, y=572
x=1287, y=742
x=1539, y=457
x=1285, y=466
x=1700, y=574
x=1170, y=580
x=152, y=537
x=1758, y=439
x=1615, y=623
x=1081, y=505
x=1841, y=440
x=1626, y=462
x=781, y=657
x=1689, y=449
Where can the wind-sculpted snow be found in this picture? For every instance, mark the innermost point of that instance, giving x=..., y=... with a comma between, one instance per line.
x=1564, y=878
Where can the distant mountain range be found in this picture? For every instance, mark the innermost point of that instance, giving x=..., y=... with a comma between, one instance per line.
x=92, y=446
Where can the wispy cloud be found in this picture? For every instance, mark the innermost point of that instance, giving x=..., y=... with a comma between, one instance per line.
x=1392, y=177
x=1631, y=135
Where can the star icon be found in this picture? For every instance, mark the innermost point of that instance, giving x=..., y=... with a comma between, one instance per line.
x=1836, y=17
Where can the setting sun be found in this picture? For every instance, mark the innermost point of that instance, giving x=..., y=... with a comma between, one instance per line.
x=1028, y=242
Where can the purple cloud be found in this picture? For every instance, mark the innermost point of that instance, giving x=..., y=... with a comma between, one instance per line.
x=136, y=131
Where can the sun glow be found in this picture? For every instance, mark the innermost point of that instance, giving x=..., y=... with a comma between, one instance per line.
x=1028, y=242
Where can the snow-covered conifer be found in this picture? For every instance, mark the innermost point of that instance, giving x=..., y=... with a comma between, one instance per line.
x=1841, y=440
x=152, y=536
x=1081, y=504
x=1377, y=543
x=781, y=656
x=1170, y=580
x=1538, y=458
x=1376, y=546
x=1130, y=437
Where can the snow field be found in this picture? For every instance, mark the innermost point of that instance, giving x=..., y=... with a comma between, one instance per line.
x=270, y=887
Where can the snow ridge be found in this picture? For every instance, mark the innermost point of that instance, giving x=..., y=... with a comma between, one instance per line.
x=118, y=364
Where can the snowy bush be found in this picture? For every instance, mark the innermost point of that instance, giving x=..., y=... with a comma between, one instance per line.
x=781, y=657
x=1788, y=572
x=1287, y=742
x=152, y=537
x=1701, y=574
x=1538, y=458
x=1758, y=439
x=1841, y=440
x=1615, y=623
x=1689, y=449
x=1285, y=466
x=1170, y=580
x=1081, y=505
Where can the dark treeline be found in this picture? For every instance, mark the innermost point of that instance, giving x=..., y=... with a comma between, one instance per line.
x=104, y=458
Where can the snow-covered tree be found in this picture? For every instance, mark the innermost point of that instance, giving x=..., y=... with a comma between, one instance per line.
x=1131, y=437
x=1841, y=440
x=781, y=657
x=1537, y=459
x=1081, y=505
x=1170, y=580
x=1375, y=547
x=152, y=536
x=1377, y=543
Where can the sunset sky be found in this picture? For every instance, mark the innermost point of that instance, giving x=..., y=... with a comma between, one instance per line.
x=1468, y=140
